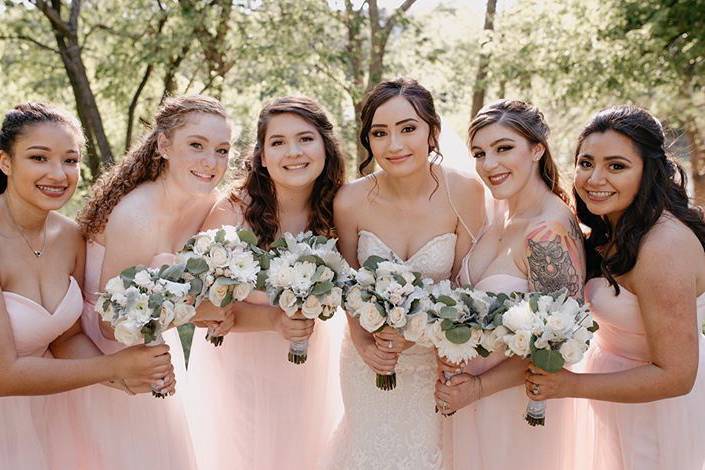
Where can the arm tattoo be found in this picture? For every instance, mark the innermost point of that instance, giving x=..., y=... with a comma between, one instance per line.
x=551, y=267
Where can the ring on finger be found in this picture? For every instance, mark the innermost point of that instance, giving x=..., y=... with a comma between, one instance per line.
x=390, y=345
x=535, y=389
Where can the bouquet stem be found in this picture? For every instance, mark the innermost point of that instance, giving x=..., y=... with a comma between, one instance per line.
x=387, y=382
x=214, y=340
x=298, y=351
x=536, y=413
x=156, y=391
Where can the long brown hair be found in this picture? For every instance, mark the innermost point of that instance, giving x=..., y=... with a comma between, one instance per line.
x=419, y=98
x=528, y=121
x=143, y=162
x=257, y=194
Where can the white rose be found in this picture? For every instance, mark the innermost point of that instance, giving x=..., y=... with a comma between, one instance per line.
x=129, y=333
x=519, y=317
x=395, y=297
x=115, y=286
x=217, y=292
x=241, y=291
x=334, y=298
x=560, y=323
x=143, y=279
x=582, y=335
x=325, y=273
x=183, y=313
x=494, y=339
x=370, y=318
x=353, y=300
x=202, y=244
x=572, y=351
x=435, y=333
x=364, y=277
x=166, y=314
x=312, y=307
x=397, y=317
x=287, y=302
x=416, y=327
x=219, y=257
x=518, y=343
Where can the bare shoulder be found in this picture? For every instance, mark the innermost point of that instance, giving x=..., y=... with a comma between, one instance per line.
x=670, y=244
x=351, y=194
x=224, y=212
x=464, y=184
x=67, y=231
x=555, y=219
x=134, y=214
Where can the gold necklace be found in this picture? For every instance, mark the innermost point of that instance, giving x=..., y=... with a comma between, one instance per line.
x=36, y=253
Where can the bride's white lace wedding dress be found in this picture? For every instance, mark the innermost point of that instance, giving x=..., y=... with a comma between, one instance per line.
x=395, y=429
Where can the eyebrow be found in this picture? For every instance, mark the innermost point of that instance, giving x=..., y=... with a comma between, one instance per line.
x=403, y=121
x=496, y=142
x=279, y=136
x=608, y=158
x=47, y=149
x=196, y=136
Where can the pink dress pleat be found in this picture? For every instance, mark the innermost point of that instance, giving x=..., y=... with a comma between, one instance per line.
x=133, y=432
x=42, y=432
x=661, y=435
x=491, y=434
x=249, y=408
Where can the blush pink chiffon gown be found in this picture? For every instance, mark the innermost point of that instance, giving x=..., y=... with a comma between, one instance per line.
x=250, y=408
x=660, y=435
x=42, y=432
x=133, y=431
x=491, y=433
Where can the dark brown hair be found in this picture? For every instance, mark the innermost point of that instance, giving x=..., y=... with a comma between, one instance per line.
x=419, y=98
x=662, y=188
x=257, y=195
x=24, y=115
x=528, y=121
x=143, y=162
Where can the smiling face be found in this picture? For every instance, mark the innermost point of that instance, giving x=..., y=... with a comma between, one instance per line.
x=608, y=173
x=505, y=160
x=44, y=167
x=399, y=138
x=294, y=153
x=197, y=152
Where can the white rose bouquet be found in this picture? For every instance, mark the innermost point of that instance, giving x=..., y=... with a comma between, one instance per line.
x=141, y=303
x=225, y=263
x=462, y=322
x=306, y=274
x=551, y=330
x=388, y=293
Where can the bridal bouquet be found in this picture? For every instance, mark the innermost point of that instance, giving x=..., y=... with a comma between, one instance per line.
x=306, y=274
x=141, y=303
x=463, y=322
x=552, y=331
x=225, y=263
x=387, y=293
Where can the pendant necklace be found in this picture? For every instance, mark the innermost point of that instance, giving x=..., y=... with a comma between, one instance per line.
x=36, y=253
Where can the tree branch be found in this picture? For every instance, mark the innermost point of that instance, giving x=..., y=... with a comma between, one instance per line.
x=73, y=15
x=53, y=16
x=394, y=18
x=28, y=39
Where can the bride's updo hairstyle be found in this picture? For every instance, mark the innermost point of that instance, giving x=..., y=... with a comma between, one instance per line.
x=143, y=162
x=529, y=122
x=418, y=97
x=662, y=188
x=256, y=194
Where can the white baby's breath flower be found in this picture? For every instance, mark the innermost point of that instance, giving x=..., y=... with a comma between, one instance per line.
x=370, y=318
x=312, y=307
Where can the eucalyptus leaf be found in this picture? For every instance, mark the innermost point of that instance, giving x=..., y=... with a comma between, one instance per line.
x=220, y=236
x=174, y=272
x=449, y=301
x=458, y=335
x=448, y=312
x=247, y=236
x=322, y=288
x=196, y=266
x=548, y=360
x=372, y=262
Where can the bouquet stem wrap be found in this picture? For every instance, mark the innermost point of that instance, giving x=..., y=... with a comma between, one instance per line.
x=387, y=382
x=298, y=351
x=536, y=413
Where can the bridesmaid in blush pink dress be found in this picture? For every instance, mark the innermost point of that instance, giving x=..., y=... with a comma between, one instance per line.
x=534, y=246
x=40, y=304
x=262, y=411
x=141, y=212
x=643, y=375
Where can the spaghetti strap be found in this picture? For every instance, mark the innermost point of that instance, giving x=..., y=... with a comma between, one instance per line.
x=450, y=200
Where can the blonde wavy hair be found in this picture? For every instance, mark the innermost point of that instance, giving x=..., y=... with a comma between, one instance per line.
x=142, y=163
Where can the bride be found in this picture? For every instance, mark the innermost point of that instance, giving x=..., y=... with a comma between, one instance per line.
x=413, y=211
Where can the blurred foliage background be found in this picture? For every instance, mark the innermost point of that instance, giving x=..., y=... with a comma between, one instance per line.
x=113, y=61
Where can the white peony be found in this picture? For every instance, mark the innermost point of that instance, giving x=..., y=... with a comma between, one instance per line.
x=129, y=333
x=202, y=244
x=396, y=317
x=218, y=291
x=519, y=317
x=144, y=279
x=518, y=343
x=370, y=318
x=288, y=302
x=166, y=314
x=183, y=313
x=218, y=257
x=312, y=307
x=572, y=351
x=560, y=323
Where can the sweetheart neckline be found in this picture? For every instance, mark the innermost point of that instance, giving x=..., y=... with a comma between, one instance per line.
x=406, y=261
x=72, y=281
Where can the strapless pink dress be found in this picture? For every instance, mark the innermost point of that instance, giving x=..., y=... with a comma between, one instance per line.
x=41, y=432
x=661, y=435
x=249, y=408
x=133, y=431
x=491, y=434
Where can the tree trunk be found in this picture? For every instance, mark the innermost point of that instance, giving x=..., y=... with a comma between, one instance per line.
x=478, y=95
x=697, y=163
x=133, y=106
